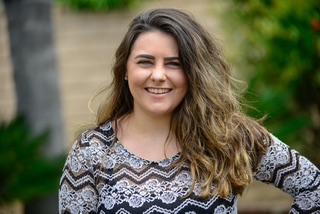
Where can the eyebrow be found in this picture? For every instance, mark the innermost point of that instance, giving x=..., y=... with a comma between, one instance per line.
x=152, y=57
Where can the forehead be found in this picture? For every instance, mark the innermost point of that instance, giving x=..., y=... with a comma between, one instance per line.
x=155, y=42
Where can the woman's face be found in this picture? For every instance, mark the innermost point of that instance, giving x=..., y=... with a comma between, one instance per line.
x=156, y=79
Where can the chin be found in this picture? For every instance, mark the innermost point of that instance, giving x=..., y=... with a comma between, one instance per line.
x=163, y=112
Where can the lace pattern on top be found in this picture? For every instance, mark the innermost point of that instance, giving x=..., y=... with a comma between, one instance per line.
x=98, y=178
x=287, y=170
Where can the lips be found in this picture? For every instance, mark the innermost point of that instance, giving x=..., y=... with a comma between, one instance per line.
x=158, y=90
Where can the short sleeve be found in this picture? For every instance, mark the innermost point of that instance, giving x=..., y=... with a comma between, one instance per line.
x=77, y=193
x=294, y=174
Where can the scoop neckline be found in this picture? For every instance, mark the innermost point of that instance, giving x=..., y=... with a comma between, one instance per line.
x=173, y=158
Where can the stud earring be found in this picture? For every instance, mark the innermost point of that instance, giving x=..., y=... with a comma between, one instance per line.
x=126, y=77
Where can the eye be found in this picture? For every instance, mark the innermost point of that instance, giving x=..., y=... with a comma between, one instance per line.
x=173, y=64
x=145, y=63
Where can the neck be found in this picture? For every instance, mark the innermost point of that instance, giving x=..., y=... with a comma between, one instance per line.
x=148, y=137
x=146, y=125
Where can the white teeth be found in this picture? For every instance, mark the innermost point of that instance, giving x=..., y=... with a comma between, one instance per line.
x=158, y=90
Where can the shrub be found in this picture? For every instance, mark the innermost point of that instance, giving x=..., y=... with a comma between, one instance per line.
x=279, y=50
x=97, y=5
x=25, y=174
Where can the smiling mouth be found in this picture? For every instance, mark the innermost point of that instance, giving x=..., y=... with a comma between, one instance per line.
x=158, y=90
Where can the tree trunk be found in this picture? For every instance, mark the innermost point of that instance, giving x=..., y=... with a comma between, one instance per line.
x=36, y=78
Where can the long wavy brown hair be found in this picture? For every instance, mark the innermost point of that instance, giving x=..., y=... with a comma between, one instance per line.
x=219, y=142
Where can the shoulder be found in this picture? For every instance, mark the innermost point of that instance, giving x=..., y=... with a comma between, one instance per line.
x=93, y=140
x=277, y=145
x=90, y=147
x=101, y=136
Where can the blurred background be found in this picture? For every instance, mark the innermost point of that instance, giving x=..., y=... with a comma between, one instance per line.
x=54, y=55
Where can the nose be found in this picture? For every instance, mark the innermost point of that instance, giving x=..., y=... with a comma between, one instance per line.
x=159, y=73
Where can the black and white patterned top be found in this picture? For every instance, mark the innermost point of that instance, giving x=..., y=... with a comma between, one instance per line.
x=102, y=179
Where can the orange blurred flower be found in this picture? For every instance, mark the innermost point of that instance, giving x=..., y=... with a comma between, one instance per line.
x=316, y=24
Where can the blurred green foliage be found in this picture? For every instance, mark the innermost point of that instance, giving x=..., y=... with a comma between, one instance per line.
x=25, y=174
x=278, y=46
x=97, y=5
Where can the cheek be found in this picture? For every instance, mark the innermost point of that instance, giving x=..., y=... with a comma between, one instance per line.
x=183, y=83
x=136, y=84
x=182, y=88
x=184, y=91
x=136, y=81
x=133, y=76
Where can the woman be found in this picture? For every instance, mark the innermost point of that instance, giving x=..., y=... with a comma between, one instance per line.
x=171, y=136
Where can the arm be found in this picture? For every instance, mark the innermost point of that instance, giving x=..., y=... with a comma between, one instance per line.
x=287, y=170
x=77, y=193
